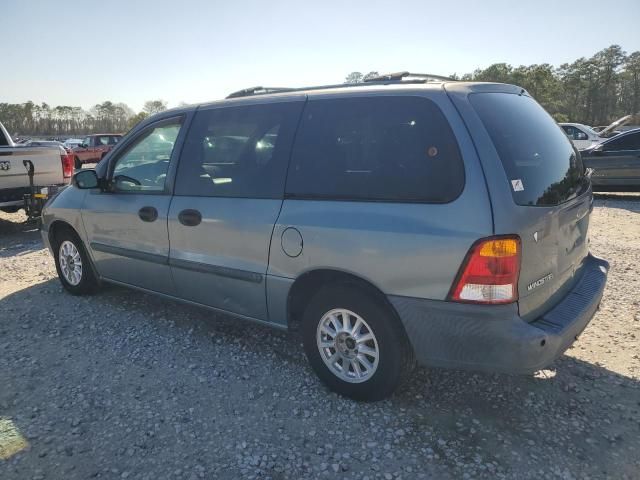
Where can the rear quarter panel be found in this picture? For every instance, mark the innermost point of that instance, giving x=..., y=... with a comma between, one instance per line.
x=557, y=240
x=406, y=249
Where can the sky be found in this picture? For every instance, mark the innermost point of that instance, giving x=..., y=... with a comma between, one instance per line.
x=83, y=52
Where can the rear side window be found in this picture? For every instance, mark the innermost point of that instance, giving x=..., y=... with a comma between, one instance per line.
x=238, y=151
x=625, y=142
x=375, y=148
x=541, y=163
x=144, y=166
x=574, y=133
x=4, y=141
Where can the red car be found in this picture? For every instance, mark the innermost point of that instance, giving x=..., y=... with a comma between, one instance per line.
x=94, y=147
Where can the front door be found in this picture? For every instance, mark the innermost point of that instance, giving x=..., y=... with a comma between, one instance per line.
x=127, y=224
x=83, y=151
x=228, y=195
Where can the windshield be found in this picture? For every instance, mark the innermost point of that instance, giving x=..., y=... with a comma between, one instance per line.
x=590, y=131
x=542, y=165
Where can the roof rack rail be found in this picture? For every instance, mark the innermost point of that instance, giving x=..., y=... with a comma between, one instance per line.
x=402, y=77
x=399, y=76
x=258, y=90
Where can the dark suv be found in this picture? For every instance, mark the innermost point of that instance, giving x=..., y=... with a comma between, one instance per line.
x=399, y=218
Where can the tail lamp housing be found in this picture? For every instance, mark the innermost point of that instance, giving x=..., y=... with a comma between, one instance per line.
x=67, y=164
x=490, y=272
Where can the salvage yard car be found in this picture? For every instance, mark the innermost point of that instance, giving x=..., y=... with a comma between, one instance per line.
x=615, y=162
x=584, y=137
x=404, y=217
x=94, y=147
x=581, y=135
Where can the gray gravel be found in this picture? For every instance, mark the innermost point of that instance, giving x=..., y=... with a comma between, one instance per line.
x=124, y=385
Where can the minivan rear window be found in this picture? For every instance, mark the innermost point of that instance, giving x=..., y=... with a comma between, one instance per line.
x=543, y=167
x=392, y=148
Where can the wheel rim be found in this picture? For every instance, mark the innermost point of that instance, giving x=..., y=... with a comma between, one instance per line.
x=347, y=345
x=70, y=263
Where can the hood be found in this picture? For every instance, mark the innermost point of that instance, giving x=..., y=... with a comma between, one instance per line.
x=618, y=123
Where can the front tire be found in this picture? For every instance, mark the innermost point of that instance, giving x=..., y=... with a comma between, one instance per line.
x=72, y=264
x=77, y=163
x=355, y=343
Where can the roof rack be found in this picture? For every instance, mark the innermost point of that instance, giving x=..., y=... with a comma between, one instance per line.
x=258, y=90
x=399, y=76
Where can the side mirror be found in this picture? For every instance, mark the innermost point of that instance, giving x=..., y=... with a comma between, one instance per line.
x=598, y=148
x=86, y=179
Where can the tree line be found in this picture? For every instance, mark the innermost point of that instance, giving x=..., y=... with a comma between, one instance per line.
x=594, y=91
x=30, y=118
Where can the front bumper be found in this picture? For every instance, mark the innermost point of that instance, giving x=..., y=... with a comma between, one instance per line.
x=493, y=337
x=44, y=233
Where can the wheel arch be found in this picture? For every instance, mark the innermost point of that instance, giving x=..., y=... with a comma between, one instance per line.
x=57, y=227
x=309, y=282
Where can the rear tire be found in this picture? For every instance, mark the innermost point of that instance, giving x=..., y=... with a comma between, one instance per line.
x=365, y=359
x=73, y=264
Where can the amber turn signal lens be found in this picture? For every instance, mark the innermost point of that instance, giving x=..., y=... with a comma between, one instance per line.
x=504, y=247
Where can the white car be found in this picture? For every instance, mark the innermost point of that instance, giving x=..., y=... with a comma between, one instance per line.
x=584, y=136
x=581, y=135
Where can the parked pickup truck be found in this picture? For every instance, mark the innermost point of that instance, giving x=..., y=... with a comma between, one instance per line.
x=94, y=147
x=52, y=168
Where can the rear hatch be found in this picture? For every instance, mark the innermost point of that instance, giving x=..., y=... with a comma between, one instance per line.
x=545, y=197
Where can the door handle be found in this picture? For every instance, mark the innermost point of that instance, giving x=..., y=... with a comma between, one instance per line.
x=148, y=214
x=190, y=217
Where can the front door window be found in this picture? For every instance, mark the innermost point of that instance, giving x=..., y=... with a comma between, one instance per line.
x=144, y=166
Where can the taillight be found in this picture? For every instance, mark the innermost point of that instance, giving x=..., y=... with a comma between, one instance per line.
x=490, y=272
x=67, y=165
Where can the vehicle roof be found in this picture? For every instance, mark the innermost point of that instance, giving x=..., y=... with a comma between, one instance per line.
x=346, y=90
x=370, y=87
x=103, y=134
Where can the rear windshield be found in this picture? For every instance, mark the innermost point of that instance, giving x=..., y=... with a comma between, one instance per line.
x=542, y=165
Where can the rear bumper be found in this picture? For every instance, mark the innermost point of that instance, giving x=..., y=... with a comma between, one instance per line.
x=493, y=337
x=13, y=196
x=13, y=203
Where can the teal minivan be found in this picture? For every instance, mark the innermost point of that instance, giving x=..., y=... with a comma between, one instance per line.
x=404, y=218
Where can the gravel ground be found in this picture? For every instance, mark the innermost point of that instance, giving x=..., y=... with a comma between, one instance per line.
x=124, y=385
